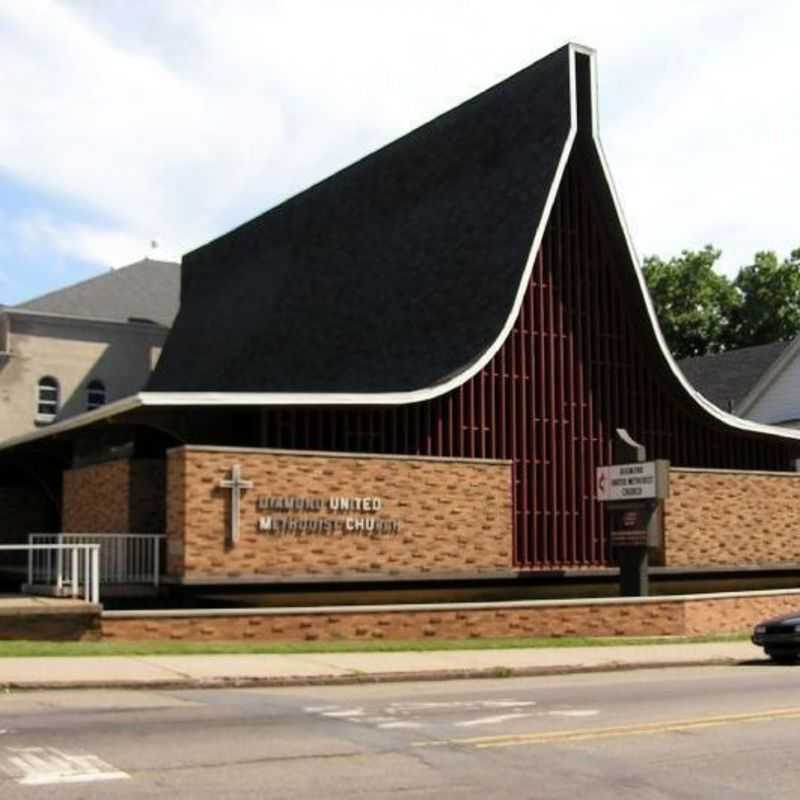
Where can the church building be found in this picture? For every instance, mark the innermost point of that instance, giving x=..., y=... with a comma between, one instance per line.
x=414, y=368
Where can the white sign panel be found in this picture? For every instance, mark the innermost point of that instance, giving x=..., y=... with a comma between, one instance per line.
x=637, y=481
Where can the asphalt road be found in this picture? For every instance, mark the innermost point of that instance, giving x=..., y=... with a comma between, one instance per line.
x=713, y=732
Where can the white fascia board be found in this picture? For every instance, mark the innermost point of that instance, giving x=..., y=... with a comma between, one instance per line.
x=771, y=374
x=78, y=421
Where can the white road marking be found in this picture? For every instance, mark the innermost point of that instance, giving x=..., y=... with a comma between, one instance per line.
x=38, y=766
x=509, y=703
x=491, y=720
x=345, y=712
x=399, y=724
x=396, y=715
x=574, y=712
x=404, y=708
x=474, y=704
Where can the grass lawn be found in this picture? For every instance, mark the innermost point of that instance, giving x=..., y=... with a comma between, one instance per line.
x=16, y=649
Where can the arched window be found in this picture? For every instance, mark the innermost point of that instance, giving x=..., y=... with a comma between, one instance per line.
x=95, y=394
x=47, y=399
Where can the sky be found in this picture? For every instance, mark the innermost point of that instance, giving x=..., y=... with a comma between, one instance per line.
x=149, y=128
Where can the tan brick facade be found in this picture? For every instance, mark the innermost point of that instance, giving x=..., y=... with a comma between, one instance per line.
x=124, y=496
x=452, y=516
x=721, y=518
x=674, y=616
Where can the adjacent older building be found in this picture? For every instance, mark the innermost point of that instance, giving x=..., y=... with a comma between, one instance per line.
x=761, y=383
x=78, y=348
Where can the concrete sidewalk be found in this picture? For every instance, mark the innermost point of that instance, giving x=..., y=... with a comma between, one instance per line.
x=198, y=671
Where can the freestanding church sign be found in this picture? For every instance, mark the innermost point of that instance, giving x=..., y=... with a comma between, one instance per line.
x=633, y=491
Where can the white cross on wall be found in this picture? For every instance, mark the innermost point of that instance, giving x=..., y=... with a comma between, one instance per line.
x=237, y=485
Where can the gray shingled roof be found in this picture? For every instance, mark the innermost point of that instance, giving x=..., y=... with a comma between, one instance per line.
x=147, y=289
x=727, y=377
x=392, y=275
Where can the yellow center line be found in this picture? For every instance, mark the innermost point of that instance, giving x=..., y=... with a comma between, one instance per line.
x=583, y=734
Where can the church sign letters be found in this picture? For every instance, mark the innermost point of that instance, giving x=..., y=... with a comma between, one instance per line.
x=644, y=480
x=297, y=516
x=329, y=516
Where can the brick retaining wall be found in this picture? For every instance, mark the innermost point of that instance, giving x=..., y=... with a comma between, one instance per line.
x=666, y=616
x=727, y=518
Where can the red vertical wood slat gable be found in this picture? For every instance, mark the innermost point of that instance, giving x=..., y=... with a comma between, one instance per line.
x=572, y=370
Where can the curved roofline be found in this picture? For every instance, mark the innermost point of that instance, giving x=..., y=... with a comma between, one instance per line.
x=157, y=398
x=428, y=393
x=706, y=405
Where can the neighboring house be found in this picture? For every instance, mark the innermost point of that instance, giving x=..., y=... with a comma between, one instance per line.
x=78, y=348
x=761, y=383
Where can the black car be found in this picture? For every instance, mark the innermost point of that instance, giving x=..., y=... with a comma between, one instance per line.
x=780, y=637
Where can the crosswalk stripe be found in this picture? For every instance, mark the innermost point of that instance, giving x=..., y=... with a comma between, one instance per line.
x=38, y=766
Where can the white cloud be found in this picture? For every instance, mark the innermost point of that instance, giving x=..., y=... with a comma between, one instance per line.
x=175, y=120
x=100, y=247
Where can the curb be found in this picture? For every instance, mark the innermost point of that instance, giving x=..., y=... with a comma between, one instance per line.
x=357, y=678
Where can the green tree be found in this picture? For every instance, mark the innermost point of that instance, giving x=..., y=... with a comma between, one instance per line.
x=694, y=304
x=770, y=301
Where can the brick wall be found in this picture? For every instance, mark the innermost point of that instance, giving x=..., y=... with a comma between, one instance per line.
x=672, y=616
x=122, y=496
x=453, y=516
x=722, y=518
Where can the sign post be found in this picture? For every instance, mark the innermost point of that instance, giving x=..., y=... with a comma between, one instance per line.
x=633, y=490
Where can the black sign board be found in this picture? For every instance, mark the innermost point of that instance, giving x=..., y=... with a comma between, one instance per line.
x=630, y=525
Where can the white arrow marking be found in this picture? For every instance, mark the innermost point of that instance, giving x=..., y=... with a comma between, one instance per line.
x=574, y=712
x=490, y=720
x=345, y=712
x=390, y=725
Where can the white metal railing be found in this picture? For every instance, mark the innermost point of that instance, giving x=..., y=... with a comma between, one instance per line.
x=73, y=566
x=125, y=558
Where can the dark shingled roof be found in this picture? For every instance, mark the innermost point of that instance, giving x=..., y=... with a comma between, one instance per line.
x=146, y=289
x=727, y=377
x=394, y=274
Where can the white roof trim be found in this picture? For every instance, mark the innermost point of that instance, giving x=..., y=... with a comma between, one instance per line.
x=78, y=421
x=706, y=405
x=419, y=395
x=414, y=395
